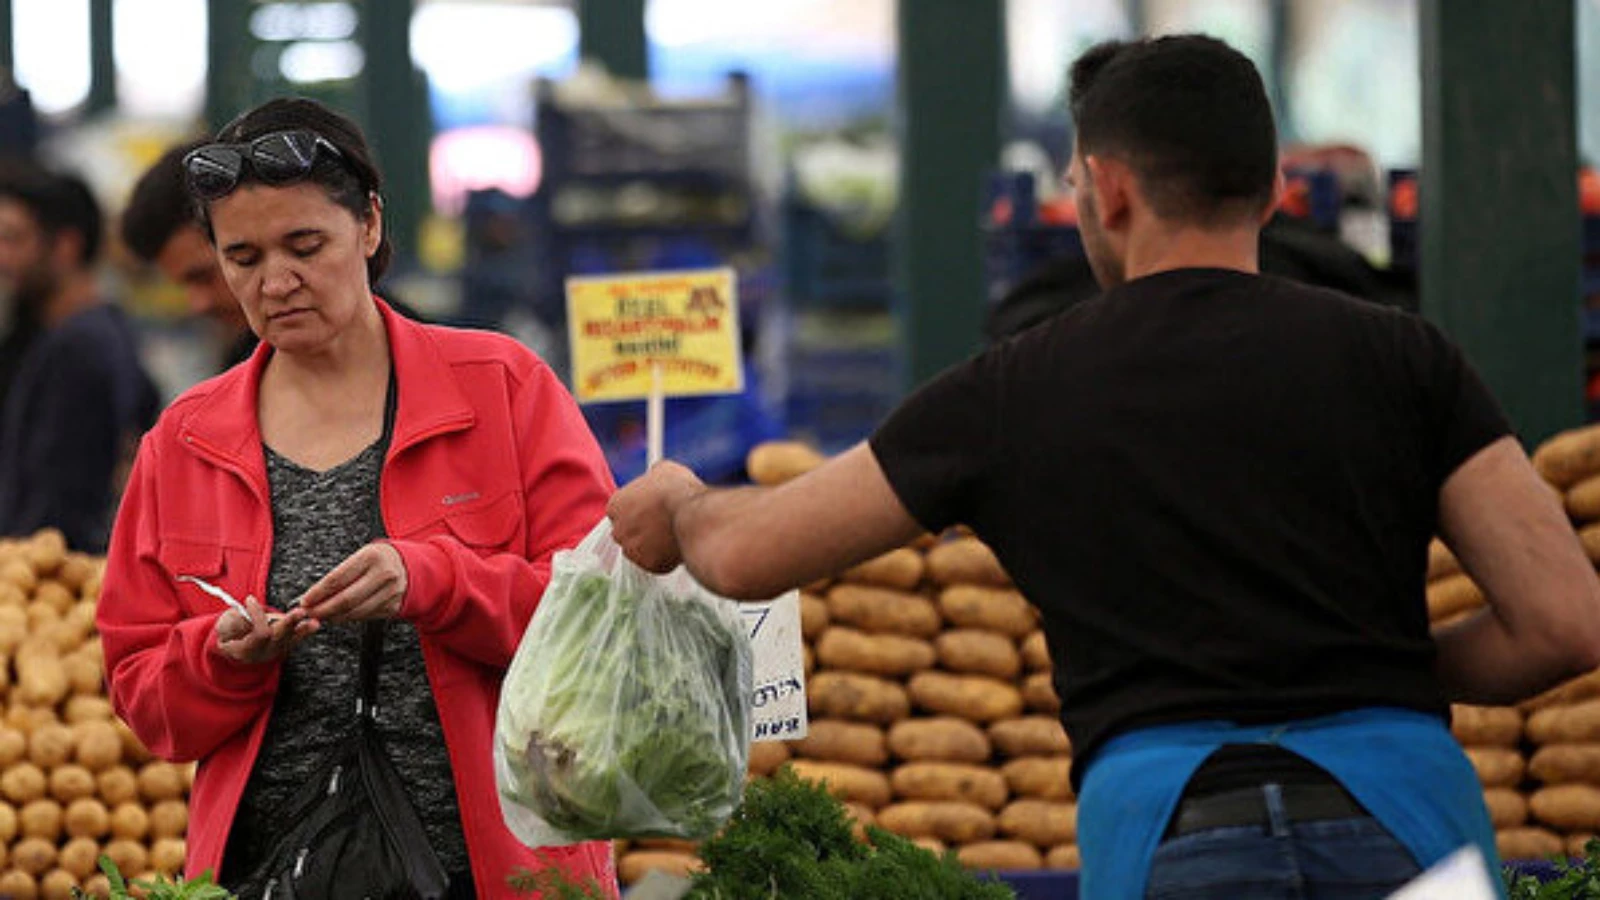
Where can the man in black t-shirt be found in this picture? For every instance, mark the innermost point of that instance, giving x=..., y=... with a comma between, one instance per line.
x=1218, y=487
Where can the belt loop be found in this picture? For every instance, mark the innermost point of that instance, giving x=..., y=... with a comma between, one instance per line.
x=1277, y=815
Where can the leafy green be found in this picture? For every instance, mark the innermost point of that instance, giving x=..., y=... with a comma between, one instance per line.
x=631, y=719
x=1578, y=880
x=160, y=887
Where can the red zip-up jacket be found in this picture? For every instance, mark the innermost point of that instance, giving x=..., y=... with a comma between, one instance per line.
x=490, y=471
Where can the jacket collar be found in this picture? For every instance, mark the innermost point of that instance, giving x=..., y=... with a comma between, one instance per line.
x=431, y=401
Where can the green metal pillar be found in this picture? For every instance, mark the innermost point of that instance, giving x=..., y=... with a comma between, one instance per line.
x=102, y=61
x=952, y=92
x=1500, y=248
x=228, y=75
x=399, y=121
x=8, y=51
x=611, y=32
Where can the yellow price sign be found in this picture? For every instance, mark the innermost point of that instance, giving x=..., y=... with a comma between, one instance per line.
x=622, y=327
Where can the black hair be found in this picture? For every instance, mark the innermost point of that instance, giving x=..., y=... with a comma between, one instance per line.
x=1189, y=115
x=351, y=182
x=58, y=202
x=159, y=205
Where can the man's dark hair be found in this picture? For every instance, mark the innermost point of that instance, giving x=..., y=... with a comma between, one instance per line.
x=58, y=201
x=159, y=205
x=350, y=182
x=1188, y=114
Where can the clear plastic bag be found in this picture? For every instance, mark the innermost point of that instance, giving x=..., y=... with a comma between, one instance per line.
x=626, y=710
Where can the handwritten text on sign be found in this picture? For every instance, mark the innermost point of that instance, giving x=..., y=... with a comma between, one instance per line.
x=778, y=696
x=685, y=322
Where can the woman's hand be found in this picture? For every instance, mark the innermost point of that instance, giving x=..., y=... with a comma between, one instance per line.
x=258, y=637
x=370, y=584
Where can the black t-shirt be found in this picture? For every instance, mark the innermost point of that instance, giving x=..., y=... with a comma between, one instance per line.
x=1219, y=489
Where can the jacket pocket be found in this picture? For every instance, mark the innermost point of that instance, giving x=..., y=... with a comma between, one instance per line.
x=219, y=566
x=486, y=526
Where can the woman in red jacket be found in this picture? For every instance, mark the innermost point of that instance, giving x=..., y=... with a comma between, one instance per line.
x=358, y=467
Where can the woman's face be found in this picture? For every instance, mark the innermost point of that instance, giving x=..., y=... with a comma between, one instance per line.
x=296, y=261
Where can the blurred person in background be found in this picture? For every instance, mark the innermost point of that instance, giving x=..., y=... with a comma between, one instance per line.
x=1219, y=487
x=360, y=469
x=79, y=397
x=160, y=228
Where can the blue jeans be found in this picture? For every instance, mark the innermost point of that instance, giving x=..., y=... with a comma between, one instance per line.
x=1330, y=859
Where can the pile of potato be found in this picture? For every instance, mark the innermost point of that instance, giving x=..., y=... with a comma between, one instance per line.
x=74, y=781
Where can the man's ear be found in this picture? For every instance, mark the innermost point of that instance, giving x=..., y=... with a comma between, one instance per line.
x=1113, y=189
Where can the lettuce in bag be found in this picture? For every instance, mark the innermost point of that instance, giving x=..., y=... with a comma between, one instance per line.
x=626, y=710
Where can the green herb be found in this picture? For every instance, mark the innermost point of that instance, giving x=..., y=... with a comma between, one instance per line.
x=632, y=719
x=1579, y=880
x=160, y=887
x=554, y=884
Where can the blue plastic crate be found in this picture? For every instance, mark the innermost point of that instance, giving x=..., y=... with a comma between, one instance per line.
x=827, y=268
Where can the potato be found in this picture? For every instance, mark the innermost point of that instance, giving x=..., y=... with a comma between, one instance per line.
x=988, y=856
x=852, y=784
x=87, y=818
x=813, y=616
x=84, y=708
x=775, y=462
x=890, y=655
x=632, y=866
x=45, y=550
x=676, y=845
x=189, y=770
x=22, y=783
x=129, y=856
x=900, y=569
x=167, y=855
x=1578, y=844
x=1449, y=596
x=950, y=781
x=976, y=698
x=55, y=596
x=80, y=856
x=832, y=740
x=50, y=745
x=1043, y=823
x=160, y=781
x=57, y=884
x=82, y=612
x=27, y=718
x=767, y=756
x=99, y=746
x=40, y=616
x=130, y=821
x=1030, y=736
x=976, y=652
x=117, y=785
x=169, y=819
x=13, y=746
x=1486, y=726
x=133, y=749
x=1582, y=500
x=41, y=679
x=1567, y=807
x=1497, y=766
x=859, y=818
x=8, y=824
x=1527, y=843
x=97, y=886
x=12, y=632
x=18, y=885
x=1562, y=763
x=1036, y=652
x=1046, y=778
x=845, y=695
x=20, y=574
x=1507, y=808
x=932, y=845
x=71, y=782
x=1064, y=856
x=966, y=560
x=1570, y=724
x=66, y=636
x=35, y=856
x=1442, y=563
x=880, y=610
x=938, y=739
x=808, y=660
x=1039, y=693
x=1569, y=457
x=40, y=819
x=957, y=823
x=991, y=609
x=75, y=571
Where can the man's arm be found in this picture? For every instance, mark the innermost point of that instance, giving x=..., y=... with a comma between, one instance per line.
x=756, y=543
x=1542, y=625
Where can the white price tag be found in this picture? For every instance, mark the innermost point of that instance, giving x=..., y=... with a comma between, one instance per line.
x=778, y=693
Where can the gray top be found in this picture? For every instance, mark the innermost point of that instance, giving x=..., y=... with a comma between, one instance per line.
x=318, y=519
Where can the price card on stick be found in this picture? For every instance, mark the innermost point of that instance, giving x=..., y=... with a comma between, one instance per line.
x=653, y=335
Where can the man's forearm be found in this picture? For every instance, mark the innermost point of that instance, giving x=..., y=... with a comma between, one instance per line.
x=1480, y=661
x=718, y=536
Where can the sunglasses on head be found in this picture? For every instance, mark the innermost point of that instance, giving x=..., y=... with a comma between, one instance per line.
x=279, y=158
